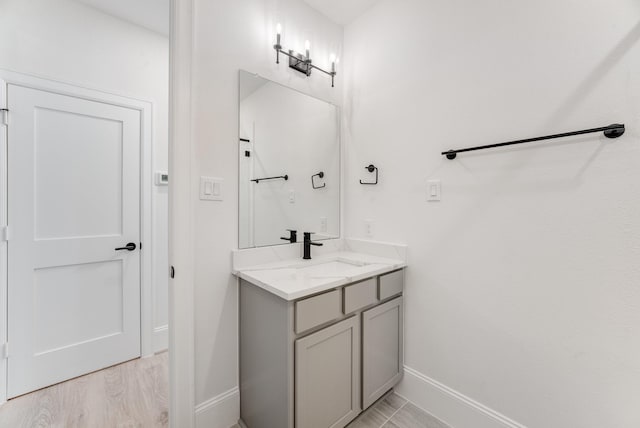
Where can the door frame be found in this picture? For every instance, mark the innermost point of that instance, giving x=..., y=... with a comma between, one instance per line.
x=147, y=109
x=182, y=195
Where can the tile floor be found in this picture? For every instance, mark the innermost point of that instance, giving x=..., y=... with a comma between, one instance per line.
x=393, y=411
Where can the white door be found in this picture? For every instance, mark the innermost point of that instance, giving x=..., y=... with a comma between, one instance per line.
x=74, y=198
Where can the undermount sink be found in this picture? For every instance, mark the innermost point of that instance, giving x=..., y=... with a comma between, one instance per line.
x=338, y=267
x=325, y=269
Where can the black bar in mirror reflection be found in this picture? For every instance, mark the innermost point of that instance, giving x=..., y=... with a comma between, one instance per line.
x=283, y=177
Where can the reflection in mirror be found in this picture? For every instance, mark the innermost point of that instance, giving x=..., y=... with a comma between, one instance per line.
x=289, y=163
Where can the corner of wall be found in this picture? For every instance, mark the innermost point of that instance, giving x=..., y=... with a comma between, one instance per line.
x=449, y=405
x=221, y=411
x=161, y=338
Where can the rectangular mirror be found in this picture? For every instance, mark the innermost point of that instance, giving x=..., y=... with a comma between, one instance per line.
x=289, y=164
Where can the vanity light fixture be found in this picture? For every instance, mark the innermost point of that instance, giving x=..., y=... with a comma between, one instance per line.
x=300, y=62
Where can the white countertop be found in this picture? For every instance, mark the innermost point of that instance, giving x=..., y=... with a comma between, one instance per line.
x=297, y=278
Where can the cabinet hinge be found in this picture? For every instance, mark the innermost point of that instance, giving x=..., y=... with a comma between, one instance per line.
x=5, y=350
x=4, y=233
x=4, y=116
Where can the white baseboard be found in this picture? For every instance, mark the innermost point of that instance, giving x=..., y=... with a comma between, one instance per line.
x=160, y=338
x=221, y=411
x=449, y=405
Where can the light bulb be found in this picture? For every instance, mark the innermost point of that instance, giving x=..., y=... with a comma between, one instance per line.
x=332, y=58
x=278, y=32
x=307, y=45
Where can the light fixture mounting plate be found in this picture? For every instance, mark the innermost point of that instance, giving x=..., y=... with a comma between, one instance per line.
x=299, y=63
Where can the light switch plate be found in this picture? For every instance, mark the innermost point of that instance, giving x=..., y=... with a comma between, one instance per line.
x=211, y=189
x=434, y=190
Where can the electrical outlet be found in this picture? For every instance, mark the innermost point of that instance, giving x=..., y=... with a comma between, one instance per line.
x=369, y=228
x=323, y=224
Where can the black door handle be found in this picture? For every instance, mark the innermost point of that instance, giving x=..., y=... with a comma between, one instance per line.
x=129, y=247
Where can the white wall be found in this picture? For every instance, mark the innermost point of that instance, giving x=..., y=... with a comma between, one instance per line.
x=297, y=135
x=229, y=36
x=523, y=287
x=67, y=41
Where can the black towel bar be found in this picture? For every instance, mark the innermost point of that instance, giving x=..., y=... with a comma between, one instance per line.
x=611, y=131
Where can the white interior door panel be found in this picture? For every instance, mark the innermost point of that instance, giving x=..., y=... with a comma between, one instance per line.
x=74, y=197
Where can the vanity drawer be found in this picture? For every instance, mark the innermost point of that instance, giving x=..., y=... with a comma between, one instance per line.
x=391, y=284
x=360, y=295
x=318, y=310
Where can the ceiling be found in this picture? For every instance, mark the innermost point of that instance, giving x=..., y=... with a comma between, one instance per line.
x=341, y=11
x=150, y=14
x=154, y=14
x=249, y=83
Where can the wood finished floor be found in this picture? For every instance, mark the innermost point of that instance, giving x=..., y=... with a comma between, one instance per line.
x=133, y=394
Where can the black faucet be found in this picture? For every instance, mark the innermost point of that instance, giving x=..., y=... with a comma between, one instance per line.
x=308, y=244
x=293, y=236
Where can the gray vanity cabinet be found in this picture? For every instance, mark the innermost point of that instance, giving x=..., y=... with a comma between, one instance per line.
x=381, y=350
x=317, y=362
x=328, y=376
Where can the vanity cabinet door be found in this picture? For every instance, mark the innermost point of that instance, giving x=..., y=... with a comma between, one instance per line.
x=327, y=385
x=382, y=355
